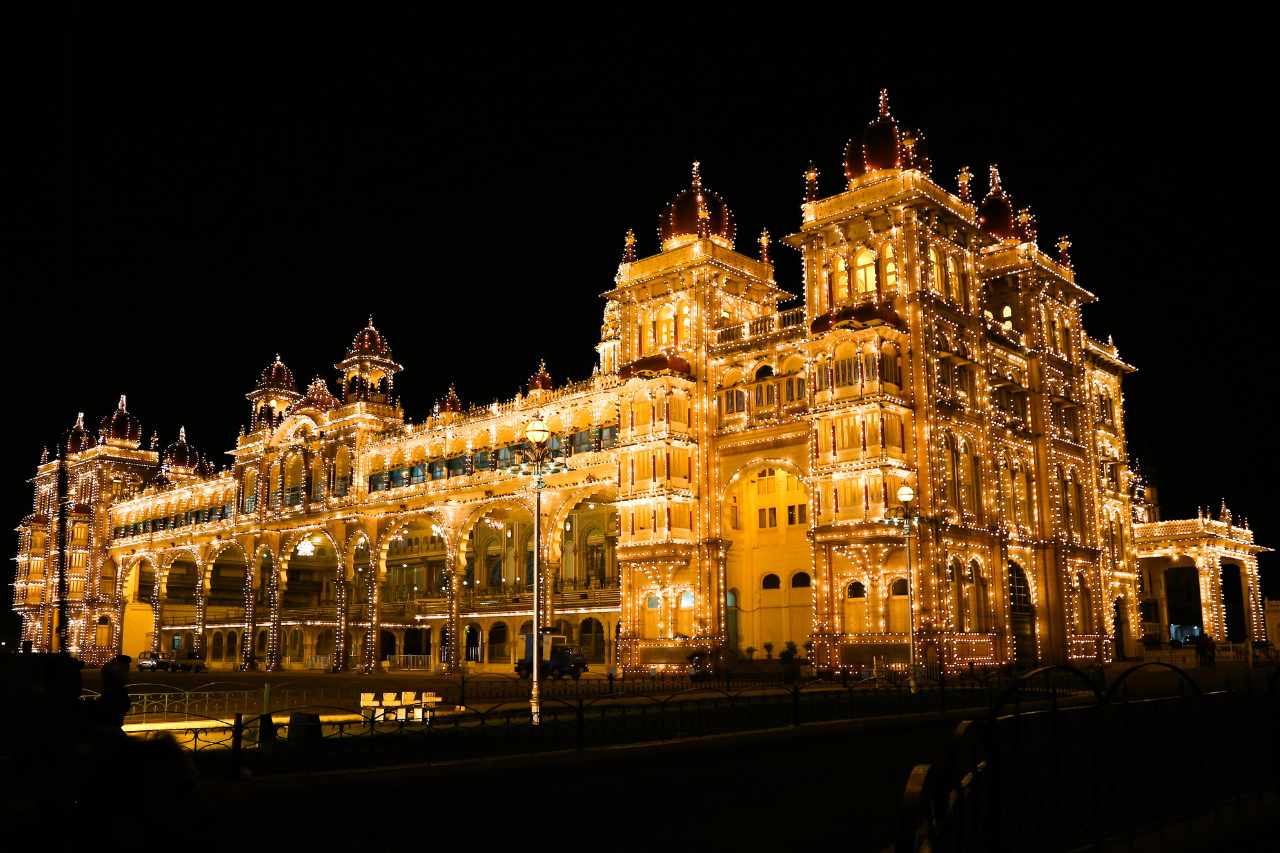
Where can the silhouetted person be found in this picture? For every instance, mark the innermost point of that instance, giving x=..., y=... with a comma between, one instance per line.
x=113, y=703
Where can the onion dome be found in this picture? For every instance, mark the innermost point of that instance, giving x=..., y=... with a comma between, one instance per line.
x=77, y=439
x=180, y=454
x=450, y=403
x=161, y=481
x=369, y=342
x=879, y=148
x=277, y=377
x=995, y=213
x=540, y=381
x=696, y=213
x=204, y=468
x=121, y=428
x=317, y=397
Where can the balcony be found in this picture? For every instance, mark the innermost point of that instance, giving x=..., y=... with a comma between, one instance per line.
x=782, y=322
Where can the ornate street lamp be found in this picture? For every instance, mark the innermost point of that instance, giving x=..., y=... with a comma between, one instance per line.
x=538, y=461
x=903, y=514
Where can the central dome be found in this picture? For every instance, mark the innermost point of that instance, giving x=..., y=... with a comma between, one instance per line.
x=277, y=376
x=995, y=213
x=696, y=212
x=181, y=455
x=369, y=341
x=120, y=427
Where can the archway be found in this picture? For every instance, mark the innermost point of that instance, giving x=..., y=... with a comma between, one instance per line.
x=499, y=649
x=415, y=576
x=855, y=608
x=591, y=640
x=310, y=592
x=1182, y=600
x=1233, y=602
x=473, y=643
x=731, y=616
x=386, y=644
x=1022, y=616
x=179, y=604
x=1120, y=623
x=589, y=535
x=136, y=623
x=499, y=554
x=225, y=599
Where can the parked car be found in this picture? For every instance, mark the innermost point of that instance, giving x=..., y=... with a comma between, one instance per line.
x=168, y=662
x=558, y=658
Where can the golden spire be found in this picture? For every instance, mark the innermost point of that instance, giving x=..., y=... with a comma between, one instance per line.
x=629, y=247
x=811, y=183
x=764, y=245
x=1064, y=251
x=963, y=180
x=884, y=102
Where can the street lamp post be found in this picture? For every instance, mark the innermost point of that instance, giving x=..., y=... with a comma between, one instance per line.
x=905, y=497
x=538, y=454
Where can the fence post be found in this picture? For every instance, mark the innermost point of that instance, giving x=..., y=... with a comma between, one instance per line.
x=795, y=705
x=237, y=736
x=582, y=724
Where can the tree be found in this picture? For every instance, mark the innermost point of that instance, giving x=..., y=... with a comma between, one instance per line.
x=768, y=650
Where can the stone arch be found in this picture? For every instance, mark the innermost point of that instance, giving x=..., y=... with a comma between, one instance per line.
x=553, y=545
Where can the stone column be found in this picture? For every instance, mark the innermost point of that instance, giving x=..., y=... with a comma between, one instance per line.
x=202, y=582
x=274, y=594
x=455, y=570
x=249, y=630
x=342, y=616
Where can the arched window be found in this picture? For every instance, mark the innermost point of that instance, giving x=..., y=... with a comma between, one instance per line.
x=1077, y=508
x=899, y=614
x=981, y=620
x=800, y=579
x=215, y=647
x=959, y=597
x=953, y=472
x=771, y=581
x=899, y=587
x=975, y=481
x=842, y=281
x=889, y=267
x=937, y=271
x=953, y=282
x=865, y=270
x=1084, y=606
x=856, y=590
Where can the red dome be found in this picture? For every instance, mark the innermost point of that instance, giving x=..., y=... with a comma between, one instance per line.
x=277, y=377
x=77, y=439
x=317, y=397
x=880, y=146
x=120, y=427
x=180, y=454
x=697, y=212
x=540, y=381
x=369, y=341
x=995, y=213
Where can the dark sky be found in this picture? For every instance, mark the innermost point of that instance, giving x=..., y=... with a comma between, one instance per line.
x=216, y=197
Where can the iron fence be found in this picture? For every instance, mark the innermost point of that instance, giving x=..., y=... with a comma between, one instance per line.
x=1112, y=770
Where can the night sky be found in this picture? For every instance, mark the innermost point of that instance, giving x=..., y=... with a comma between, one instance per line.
x=178, y=209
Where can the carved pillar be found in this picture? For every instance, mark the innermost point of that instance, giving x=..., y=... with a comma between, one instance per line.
x=202, y=580
x=342, y=614
x=249, y=630
x=455, y=570
x=274, y=594
x=157, y=592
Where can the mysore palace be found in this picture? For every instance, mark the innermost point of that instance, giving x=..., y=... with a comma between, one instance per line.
x=728, y=479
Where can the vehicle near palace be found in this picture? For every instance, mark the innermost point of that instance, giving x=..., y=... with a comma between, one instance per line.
x=167, y=662
x=558, y=658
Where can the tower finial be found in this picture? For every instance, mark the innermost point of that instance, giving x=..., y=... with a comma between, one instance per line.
x=1064, y=251
x=370, y=325
x=993, y=173
x=963, y=179
x=697, y=175
x=80, y=420
x=884, y=102
x=629, y=247
x=811, y=183
x=764, y=245
x=44, y=454
x=1027, y=225
x=182, y=435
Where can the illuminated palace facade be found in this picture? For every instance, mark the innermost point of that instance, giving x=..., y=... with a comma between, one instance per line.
x=728, y=477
